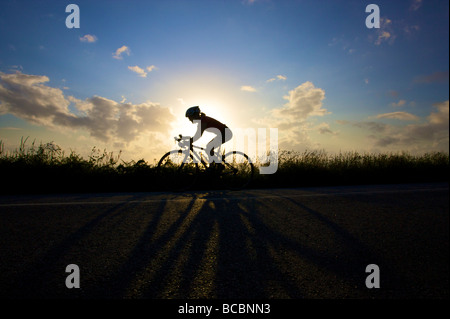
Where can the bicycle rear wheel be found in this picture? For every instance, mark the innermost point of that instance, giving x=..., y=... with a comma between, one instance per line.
x=238, y=170
x=177, y=171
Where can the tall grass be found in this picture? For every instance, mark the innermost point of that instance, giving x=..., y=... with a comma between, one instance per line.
x=47, y=168
x=312, y=168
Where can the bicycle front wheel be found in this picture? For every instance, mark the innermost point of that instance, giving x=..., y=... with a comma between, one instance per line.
x=238, y=170
x=177, y=171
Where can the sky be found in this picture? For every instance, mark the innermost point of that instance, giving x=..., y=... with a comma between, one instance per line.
x=313, y=70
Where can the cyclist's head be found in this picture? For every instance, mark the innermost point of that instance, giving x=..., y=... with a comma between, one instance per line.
x=193, y=113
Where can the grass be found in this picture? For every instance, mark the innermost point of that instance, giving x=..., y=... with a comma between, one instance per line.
x=46, y=168
x=317, y=168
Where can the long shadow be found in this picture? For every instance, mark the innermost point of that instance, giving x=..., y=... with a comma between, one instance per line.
x=145, y=258
x=212, y=246
x=247, y=268
x=36, y=280
x=240, y=261
x=238, y=256
x=355, y=255
x=246, y=265
x=177, y=272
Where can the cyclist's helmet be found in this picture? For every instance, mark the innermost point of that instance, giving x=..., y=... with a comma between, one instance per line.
x=193, y=111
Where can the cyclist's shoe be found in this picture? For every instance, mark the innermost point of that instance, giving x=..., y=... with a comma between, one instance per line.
x=220, y=167
x=214, y=168
x=210, y=169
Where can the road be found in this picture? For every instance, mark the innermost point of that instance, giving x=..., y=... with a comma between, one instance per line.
x=268, y=243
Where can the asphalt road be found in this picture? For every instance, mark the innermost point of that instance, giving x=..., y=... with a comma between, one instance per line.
x=271, y=243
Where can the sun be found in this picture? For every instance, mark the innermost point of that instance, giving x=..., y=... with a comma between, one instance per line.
x=215, y=109
x=211, y=107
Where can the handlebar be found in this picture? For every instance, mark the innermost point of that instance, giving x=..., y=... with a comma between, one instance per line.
x=181, y=143
x=179, y=138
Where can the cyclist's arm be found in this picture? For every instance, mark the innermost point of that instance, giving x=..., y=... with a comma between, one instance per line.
x=199, y=132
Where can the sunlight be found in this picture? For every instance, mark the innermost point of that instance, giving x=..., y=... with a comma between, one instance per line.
x=211, y=107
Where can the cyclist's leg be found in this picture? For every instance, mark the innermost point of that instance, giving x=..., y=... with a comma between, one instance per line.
x=212, y=150
x=226, y=135
x=213, y=147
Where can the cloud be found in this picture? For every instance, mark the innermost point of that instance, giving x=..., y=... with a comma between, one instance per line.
x=248, y=88
x=88, y=38
x=118, y=54
x=393, y=93
x=441, y=116
x=411, y=29
x=415, y=5
x=431, y=135
x=386, y=32
x=390, y=30
x=342, y=43
x=383, y=36
x=373, y=126
x=141, y=71
x=436, y=77
x=399, y=103
x=324, y=128
x=28, y=97
x=138, y=70
x=278, y=77
x=303, y=102
x=403, y=116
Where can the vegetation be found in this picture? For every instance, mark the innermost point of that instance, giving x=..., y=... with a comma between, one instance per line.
x=46, y=168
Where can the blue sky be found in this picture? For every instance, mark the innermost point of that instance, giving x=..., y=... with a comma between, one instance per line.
x=312, y=69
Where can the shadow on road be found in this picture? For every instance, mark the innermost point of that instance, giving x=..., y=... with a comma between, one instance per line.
x=196, y=245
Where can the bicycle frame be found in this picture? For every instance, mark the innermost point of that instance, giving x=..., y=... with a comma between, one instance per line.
x=196, y=156
x=235, y=172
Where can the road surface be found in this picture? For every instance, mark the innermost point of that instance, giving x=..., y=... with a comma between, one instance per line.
x=269, y=243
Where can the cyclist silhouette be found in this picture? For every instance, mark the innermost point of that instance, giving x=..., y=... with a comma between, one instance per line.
x=223, y=133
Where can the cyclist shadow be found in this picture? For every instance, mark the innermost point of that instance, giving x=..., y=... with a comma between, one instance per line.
x=217, y=244
x=220, y=250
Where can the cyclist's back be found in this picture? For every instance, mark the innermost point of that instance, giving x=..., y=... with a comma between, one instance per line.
x=207, y=122
x=204, y=123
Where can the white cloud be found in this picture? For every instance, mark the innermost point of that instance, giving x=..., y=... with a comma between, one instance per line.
x=431, y=135
x=140, y=71
x=441, y=116
x=118, y=54
x=278, y=77
x=304, y=101
x=248, y=88
x=28, y=97
x=88, y=38
x=403, y=116
x=291, y=119
x=324, y=128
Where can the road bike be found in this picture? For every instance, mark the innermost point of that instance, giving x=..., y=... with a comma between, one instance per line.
x=182, y=168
